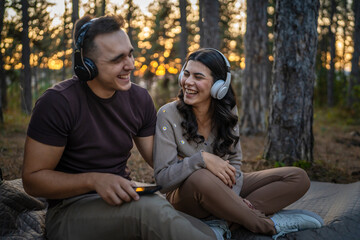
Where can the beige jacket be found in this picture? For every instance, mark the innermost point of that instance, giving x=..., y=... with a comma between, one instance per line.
x=175, y=158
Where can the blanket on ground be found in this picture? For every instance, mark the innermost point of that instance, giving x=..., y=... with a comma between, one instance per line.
x=337, y=204
x=22, y=216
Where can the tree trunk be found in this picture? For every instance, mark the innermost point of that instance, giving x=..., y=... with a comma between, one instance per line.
x=184, y=33
x=103, y=7
x=74, y=18
x=290, y=137
x=355, y=61
x=35, y=73
x=26, y=96
x=211, y=24
x=345, y=34
x=64, y=43
x=254, y=85
x=2, y=71
x=201, y=23
x=129, y=17
x=331, y=72
x=75, y=11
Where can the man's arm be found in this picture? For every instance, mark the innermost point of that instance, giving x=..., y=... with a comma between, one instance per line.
x=41, y=180
x=145, y=147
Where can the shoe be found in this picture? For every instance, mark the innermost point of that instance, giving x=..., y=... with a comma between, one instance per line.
x=220, y=228
x=287, y=221
x=306, y=212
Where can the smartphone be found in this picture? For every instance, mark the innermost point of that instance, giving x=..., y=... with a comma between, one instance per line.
x=147, y=189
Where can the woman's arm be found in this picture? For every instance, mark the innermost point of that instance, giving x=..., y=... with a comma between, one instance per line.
x=220, y=168
x=235, y=161
x=170, y=170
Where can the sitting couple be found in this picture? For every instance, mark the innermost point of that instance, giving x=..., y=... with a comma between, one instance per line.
x=82, y=131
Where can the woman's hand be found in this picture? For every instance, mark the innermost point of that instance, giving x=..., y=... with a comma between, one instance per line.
x=220, y=168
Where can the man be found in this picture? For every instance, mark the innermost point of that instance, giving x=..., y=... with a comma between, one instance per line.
x=79, y=140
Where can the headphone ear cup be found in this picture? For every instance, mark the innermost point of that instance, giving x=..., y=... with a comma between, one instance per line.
x=85, y=71
x=79, y=68
x=216, y=87
x=93, y=71
x=181, y=74
x=222, y=92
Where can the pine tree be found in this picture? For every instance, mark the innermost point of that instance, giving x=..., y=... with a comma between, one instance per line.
x=161, y=39
x=211, y=12
x=255, y=80
x=331, y=72
x=2, y=74
x=26, y=96
x=42, y=42
x=184, y=32
x=132, y=14
x=354, y=82
x=290, y=136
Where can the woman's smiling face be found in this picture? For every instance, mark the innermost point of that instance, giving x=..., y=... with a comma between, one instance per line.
x=196, y=84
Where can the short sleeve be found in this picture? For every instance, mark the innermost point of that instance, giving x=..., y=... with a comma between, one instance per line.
x=50, y=121
x=149, y=119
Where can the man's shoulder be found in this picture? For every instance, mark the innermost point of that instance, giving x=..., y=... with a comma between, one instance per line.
x=62, y=92
x=139, y=96
x=137, y=89
x=65, y=84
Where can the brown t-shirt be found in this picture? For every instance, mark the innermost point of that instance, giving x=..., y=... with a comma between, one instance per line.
x=97, y=133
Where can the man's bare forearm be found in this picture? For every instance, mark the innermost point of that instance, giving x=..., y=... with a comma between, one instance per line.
x=56, y=185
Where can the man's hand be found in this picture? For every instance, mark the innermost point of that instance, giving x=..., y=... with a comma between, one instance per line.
x=220, y=168
x=114, y=189
x=41, y=180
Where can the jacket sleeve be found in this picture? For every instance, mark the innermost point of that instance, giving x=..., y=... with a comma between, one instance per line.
x=170, y=170
x=235, y=161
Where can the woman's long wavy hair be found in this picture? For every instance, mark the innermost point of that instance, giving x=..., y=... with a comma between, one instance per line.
x=223, y=120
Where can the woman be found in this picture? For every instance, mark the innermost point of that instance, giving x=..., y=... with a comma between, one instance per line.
x=197, y=157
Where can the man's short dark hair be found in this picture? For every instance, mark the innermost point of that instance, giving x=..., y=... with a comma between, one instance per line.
x=105, y=24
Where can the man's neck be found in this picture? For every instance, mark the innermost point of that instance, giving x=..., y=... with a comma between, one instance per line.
x=99, y=90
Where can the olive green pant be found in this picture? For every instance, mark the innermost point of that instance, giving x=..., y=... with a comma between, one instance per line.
x=152, y=217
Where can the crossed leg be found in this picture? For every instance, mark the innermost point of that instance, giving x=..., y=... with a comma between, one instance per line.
x=203, y=194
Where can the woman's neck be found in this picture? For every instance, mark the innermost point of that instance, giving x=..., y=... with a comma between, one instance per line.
x=203, y=119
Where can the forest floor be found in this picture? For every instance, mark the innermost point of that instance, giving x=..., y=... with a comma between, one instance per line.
x=336, y=150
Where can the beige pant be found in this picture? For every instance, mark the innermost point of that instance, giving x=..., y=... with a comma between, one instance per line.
x=152, y=217
x=203, y=194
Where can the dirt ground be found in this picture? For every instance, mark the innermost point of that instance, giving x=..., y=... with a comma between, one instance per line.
x=336, y=155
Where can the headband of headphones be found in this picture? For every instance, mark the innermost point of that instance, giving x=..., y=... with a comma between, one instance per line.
x=223, y=56
x=83, y=30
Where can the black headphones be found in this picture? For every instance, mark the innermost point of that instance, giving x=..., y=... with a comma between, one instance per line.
x=220, y=87
x=84, y=67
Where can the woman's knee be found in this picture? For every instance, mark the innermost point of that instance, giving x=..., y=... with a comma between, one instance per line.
x=302, y=178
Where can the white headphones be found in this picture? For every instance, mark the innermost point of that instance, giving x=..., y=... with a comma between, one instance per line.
x=220, y=87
